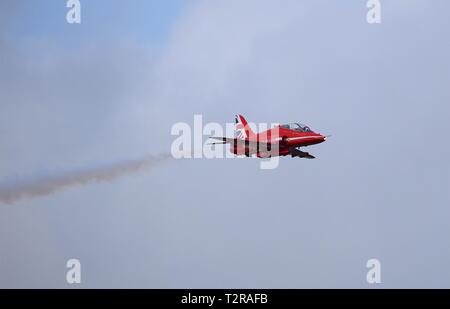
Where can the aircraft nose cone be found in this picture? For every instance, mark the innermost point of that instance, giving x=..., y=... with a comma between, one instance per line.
x=325, y=137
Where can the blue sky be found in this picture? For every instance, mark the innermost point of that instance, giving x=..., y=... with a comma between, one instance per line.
x=145, y=21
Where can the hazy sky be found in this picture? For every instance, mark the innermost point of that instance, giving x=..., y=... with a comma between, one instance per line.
x=82, y=96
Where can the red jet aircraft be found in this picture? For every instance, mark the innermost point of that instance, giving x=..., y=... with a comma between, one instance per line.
x=281, y=140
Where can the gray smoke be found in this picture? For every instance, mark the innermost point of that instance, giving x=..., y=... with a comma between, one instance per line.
x=51, y=184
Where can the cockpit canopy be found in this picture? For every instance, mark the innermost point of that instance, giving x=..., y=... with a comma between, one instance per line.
x=296, y=127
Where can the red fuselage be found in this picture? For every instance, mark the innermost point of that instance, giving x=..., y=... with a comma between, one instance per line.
x=280, y=138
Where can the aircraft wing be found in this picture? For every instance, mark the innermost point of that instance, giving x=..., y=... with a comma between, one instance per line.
x=255, y=145
x=246, y=142
x=301, y=154
x=223, y=140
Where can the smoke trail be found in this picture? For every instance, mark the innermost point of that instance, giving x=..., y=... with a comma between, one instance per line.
x=52, y=184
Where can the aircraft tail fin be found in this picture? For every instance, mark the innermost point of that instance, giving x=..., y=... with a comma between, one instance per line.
x=242, y=129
